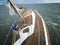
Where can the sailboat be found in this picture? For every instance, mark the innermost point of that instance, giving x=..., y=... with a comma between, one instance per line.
x=31, y=28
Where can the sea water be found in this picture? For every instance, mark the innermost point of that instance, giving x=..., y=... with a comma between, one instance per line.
x=50, y=13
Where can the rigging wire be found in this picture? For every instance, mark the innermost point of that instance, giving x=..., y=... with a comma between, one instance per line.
x=7, y=37
x=16, y=10
x=20, y=15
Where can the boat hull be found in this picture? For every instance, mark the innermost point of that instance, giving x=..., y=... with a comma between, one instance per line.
x=40, y=35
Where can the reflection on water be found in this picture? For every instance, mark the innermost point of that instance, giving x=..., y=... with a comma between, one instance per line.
x=50, y=13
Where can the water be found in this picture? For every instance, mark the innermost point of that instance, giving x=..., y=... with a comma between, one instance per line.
x=50, y=13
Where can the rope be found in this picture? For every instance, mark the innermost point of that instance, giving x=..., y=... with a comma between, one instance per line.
x=13, y=39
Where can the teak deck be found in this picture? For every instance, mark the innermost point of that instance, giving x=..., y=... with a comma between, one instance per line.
x=38, y=37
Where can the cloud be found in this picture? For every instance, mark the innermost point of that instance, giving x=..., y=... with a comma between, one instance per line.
x=36, y=1
x=29, y=1
x=52, y=1
x=47, y=1
x=55, y=1
x=3, y=2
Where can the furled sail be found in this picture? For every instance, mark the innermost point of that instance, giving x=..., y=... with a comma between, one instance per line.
x=11, y=10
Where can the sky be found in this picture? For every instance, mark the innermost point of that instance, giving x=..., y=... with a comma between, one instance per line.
x=30, y=1
x=37, y=1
